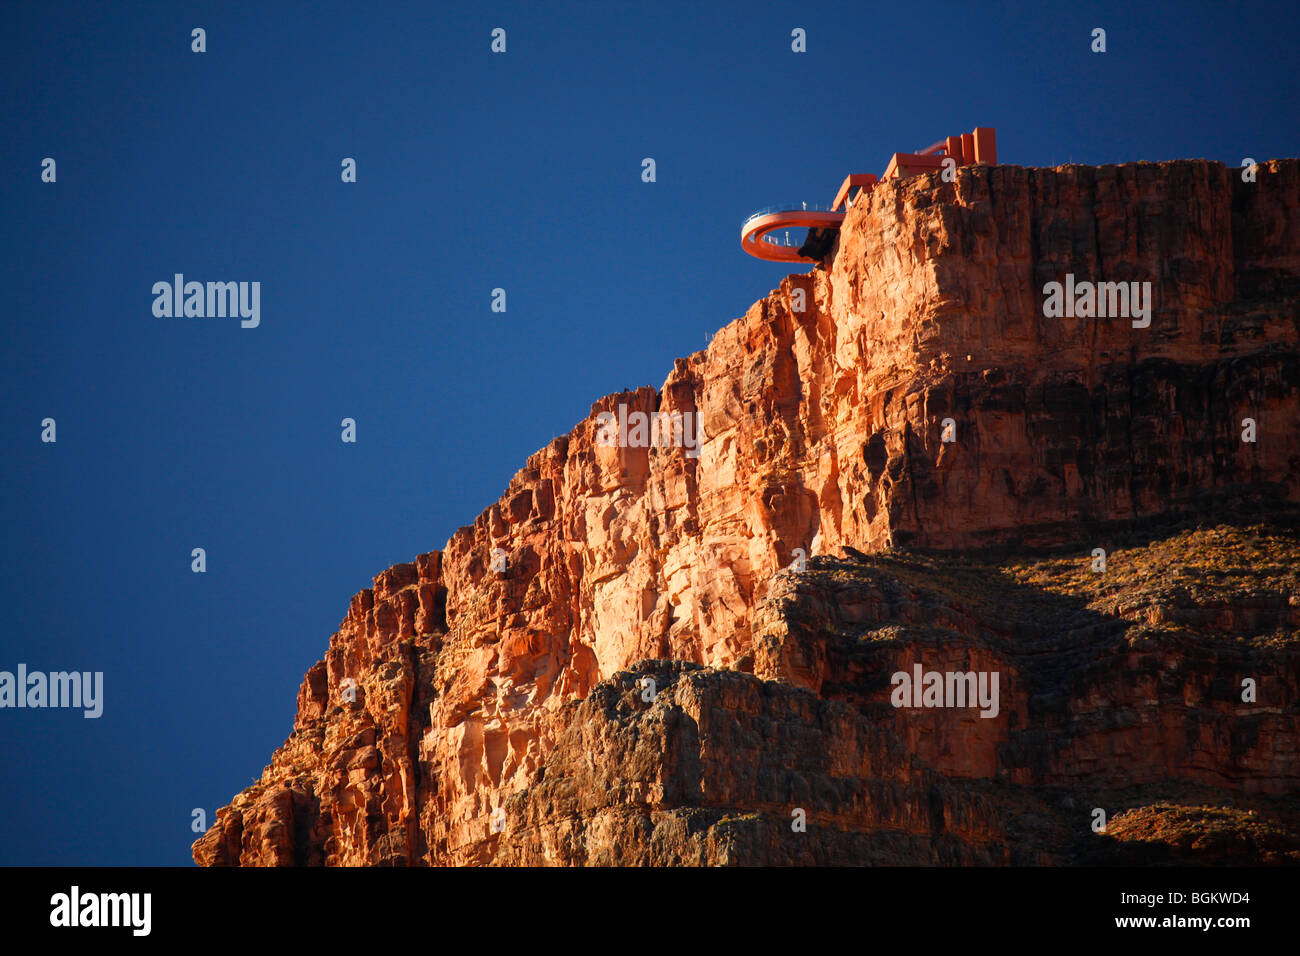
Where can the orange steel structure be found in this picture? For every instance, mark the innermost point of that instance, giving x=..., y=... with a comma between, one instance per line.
x=978, y=147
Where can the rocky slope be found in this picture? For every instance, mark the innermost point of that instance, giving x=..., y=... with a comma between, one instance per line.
x=469, y=714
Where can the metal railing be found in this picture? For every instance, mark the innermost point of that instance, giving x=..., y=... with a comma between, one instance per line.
x=786, y=207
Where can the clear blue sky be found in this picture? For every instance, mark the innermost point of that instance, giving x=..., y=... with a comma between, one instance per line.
x=475, y=171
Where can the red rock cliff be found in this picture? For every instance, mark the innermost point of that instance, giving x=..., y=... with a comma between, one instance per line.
x=821, y=412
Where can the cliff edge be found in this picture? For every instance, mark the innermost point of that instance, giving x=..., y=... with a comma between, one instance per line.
x=907, y=456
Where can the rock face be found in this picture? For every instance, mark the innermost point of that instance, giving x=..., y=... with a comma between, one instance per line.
x=488, y=704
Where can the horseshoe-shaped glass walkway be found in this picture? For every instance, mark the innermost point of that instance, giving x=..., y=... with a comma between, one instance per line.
x=765, y=233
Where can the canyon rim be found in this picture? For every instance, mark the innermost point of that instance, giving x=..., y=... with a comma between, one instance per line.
x=648, y=654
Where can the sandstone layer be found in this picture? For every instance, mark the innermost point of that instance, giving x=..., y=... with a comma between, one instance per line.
x=466, y=715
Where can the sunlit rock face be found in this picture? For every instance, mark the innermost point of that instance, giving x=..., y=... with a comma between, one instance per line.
x=487, y=703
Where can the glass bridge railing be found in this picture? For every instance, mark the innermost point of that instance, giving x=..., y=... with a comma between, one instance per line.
x=786, y=207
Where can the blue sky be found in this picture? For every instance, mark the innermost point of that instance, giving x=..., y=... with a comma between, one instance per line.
x=475, y=171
